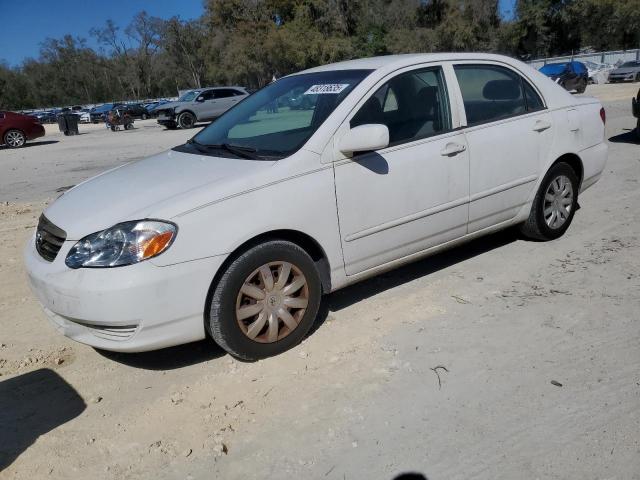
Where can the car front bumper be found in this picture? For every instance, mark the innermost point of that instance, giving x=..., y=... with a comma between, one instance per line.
x=627, y=77
x=125, y=309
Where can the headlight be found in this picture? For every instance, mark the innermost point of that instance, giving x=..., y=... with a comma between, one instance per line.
x=122, y=244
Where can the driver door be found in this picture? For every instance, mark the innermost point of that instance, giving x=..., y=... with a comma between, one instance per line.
x=414, y=194
x=205, y=105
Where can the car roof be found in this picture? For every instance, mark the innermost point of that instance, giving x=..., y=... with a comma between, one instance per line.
x=219, y=88
x=405, y=60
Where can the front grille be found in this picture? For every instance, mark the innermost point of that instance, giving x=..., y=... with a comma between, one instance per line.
x=49, y=239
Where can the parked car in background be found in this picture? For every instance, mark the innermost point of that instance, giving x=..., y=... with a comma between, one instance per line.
x=85, y=115
x=627, y=72
x=153, y=107
x=99, y=114
x=570, y=75
x=16, y=129
x=135, y=110
x=598, y=72
x=635, y=109
x=238, y=233
x=200, y=105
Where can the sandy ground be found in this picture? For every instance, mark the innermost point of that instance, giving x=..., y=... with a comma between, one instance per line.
x=443, y=367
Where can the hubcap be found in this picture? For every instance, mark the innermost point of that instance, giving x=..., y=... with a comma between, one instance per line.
x=272, y=302
x=15, y=139
x=186, y=120
x=558, y=202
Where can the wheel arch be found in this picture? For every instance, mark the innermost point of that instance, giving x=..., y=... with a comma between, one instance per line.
x=574, y=161
x=186, y=110
x=301, y=239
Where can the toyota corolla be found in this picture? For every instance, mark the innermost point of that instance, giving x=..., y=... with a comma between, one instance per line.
x=238, y=233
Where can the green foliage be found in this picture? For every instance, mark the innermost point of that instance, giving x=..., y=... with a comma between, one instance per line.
x=248, y=42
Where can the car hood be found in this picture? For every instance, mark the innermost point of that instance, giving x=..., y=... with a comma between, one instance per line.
x=166, y=106
x=156, y=187
x=622, y=71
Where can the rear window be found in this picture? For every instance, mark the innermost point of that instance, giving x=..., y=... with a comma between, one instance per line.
x=492, y=92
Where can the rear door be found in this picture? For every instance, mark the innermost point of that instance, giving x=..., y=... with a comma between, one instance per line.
x=508, y=130
x=225, y=99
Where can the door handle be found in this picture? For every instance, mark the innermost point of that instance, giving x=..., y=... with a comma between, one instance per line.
x=452, y=149
x=541, y=126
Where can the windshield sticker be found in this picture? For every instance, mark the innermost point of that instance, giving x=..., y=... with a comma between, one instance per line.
x=326, y=88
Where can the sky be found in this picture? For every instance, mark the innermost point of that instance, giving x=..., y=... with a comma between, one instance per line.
x=32, y=21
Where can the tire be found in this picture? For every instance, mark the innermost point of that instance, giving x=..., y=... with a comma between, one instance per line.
x=638, y=130
x=14, y=139
x=144, y=116
x=539, y=225
x=224, y=323
x=186, y=120
x=582, y=87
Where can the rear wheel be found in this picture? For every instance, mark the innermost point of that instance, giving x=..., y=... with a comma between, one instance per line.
x=554, y=205
x=14, y=139
x=266, y=301
x=582, y=87
x=186, y=120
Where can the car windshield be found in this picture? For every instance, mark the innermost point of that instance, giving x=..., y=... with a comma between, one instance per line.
x=554, y=68
x=187, y=97
x=277, y=120
x=630, y=64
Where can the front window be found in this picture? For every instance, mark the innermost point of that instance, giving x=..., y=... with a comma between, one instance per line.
x=413, y=105
x=278, y=119
x=630, y=64
x=491, y=92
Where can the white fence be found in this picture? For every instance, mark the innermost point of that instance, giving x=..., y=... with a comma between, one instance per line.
x=611, y=57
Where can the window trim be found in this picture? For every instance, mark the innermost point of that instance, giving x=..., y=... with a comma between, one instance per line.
x=453, y=121
x=523, y=78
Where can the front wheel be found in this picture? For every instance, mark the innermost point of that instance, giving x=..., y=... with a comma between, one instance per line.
x=14, y=139
x=266, y=301
x=186, y=120
x=144, y=116
x=554, y=205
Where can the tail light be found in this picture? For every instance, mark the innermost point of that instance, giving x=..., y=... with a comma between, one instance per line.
x=603, y=115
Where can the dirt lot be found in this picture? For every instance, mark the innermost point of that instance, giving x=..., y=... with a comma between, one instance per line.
x=444, y=367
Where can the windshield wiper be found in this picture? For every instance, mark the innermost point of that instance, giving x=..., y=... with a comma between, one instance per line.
x=237, y=150
x=198, y=146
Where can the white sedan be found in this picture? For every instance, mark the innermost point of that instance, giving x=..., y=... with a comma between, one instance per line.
x=238, y=233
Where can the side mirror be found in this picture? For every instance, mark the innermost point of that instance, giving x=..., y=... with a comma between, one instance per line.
x=365, y=138
x=200, y=99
